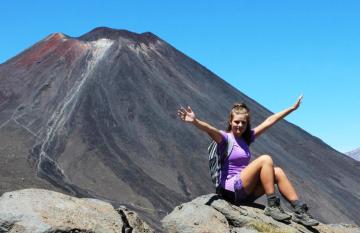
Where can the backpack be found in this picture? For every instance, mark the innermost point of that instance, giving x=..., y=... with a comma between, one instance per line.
x=216, y=159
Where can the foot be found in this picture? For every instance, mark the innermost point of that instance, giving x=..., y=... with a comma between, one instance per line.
x=274, y=210
x=303, y=217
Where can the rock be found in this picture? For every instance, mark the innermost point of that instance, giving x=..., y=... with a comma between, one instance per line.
x=211, y=214
x=193, y=218
x=40, y=211
x=43, y=211
x=132, y=222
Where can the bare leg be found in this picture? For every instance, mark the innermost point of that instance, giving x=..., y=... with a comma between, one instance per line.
x=258, y=187
x=261, y=169
x=284, y=185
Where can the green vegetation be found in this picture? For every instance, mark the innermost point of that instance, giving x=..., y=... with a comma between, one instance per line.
x=269, y=228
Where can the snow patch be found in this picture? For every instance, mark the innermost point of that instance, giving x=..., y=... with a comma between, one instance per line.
x=145, y=49
x=102, y=43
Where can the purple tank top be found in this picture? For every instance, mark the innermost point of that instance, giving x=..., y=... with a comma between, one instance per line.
x=238, y=159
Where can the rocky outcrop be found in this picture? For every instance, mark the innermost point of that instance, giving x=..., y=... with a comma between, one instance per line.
x=43, y=211
x=211, y=214
x=40, y=211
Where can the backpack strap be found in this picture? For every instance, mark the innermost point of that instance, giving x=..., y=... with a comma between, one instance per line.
x=230, y=146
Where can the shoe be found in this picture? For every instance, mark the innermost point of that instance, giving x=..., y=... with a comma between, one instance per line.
x=274, y=210
x=303, y=217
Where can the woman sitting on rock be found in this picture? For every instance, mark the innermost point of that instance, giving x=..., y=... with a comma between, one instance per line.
x=242, y=180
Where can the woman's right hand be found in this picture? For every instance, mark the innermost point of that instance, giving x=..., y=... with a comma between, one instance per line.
x=187, y=114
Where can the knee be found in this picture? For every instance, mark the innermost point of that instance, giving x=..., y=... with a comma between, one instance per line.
x=266, y=159
x=279, y=173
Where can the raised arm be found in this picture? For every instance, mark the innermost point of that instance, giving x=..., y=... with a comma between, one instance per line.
x=271, y=120
x=187, y=115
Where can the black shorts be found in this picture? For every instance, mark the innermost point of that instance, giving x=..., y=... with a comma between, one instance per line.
x=230, y=197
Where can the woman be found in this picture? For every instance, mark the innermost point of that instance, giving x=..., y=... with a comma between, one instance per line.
x=245, y=180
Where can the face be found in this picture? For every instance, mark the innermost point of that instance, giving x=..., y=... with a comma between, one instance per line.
x=238, y=124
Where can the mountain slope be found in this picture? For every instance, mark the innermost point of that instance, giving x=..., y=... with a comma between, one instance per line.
x=355, y=154
x=96, y=116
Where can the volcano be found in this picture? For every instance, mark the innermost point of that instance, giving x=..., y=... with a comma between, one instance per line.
x=95, y=116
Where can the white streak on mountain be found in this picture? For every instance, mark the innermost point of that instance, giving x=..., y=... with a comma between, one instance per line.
x=63, y=114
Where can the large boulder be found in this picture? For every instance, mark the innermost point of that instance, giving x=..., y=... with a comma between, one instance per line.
x=40, y=211
x=211, y=214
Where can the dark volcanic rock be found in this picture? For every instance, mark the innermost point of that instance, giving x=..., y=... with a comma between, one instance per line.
x=95, y=116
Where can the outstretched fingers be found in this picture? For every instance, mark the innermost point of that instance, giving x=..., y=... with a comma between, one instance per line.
x=186, y=114
x=300, y=98
x=181, y=113
x=298, y=102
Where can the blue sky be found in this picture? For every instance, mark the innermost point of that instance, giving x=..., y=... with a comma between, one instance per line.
x=270, y=50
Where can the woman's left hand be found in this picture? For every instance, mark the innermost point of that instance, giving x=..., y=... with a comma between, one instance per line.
x=298, y=102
